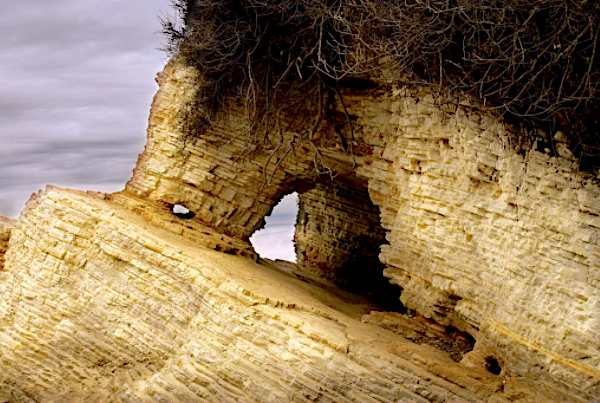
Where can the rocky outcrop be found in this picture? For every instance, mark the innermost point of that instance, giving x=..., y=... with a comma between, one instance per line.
x=504, y=242
x=498, y=244
x=115, y=298
x=489, y=240
x=106, y=307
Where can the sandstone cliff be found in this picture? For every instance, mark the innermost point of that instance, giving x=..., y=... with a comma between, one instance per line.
x=113, y=298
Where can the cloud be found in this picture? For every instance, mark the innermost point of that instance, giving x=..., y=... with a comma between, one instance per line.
x=76, y=83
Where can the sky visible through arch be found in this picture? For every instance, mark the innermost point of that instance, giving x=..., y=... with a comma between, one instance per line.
x=76, y=84
x=275, y=240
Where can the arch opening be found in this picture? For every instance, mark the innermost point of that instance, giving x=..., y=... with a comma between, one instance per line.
x=275, y=239
x=331, y=229
x=339, y=236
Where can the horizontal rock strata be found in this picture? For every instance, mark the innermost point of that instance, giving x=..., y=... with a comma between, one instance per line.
x=502, y=245
x=102, y=306
x=337, y=230
x=483, y=238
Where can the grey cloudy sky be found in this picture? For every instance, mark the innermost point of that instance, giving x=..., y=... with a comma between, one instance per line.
x=76, y=83
x=275, y=241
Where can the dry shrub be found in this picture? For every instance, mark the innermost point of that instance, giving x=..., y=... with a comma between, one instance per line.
x=533, y=62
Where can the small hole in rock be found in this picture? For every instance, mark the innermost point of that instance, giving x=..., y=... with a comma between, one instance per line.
x=180, y=211
x=492, y=365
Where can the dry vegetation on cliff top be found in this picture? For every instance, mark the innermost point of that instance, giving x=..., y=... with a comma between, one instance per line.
x=535, y=63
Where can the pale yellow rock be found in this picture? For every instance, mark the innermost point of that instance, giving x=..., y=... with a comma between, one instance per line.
x=111, y=298
x=135, y=313
x=501, y=245
x=6, y=226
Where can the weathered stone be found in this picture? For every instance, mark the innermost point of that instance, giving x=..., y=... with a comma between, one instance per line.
x=338, y=230
x=501, y=245
x=338, y=237
x=6, y=226
x=131, y=312
x=115, y=298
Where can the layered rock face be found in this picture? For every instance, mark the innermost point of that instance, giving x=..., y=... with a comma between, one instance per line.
x=489, y=240
x=338, y=237
x=338, y=233
x=103, y=306
x=114, y=298
x=501, y=245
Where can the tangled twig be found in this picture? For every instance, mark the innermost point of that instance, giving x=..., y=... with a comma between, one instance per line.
x=534, y=63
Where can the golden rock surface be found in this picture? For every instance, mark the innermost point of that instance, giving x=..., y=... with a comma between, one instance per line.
x=102, y=306
x=111, y=298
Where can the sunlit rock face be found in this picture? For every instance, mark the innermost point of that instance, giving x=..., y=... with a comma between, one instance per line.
x=120, y=298
x=100, y=305
x=501, y=245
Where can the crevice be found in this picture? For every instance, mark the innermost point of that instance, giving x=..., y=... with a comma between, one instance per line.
x=421, y=330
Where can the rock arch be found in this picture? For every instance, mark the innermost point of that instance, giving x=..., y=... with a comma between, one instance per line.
x=112, y=298
x=502, y=245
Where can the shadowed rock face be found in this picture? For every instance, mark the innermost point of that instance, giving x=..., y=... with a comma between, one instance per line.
x=338, y=237
x=5, y=229
x=337, y=226
x=116, y=298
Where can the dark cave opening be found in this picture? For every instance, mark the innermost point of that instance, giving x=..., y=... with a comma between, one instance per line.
x=492, y=365
x=338, y=238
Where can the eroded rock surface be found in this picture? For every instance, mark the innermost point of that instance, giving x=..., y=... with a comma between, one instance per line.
x=498, y=244
x=106, y=307
x=115, y=298
x=5, y=229
x=338, y=237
